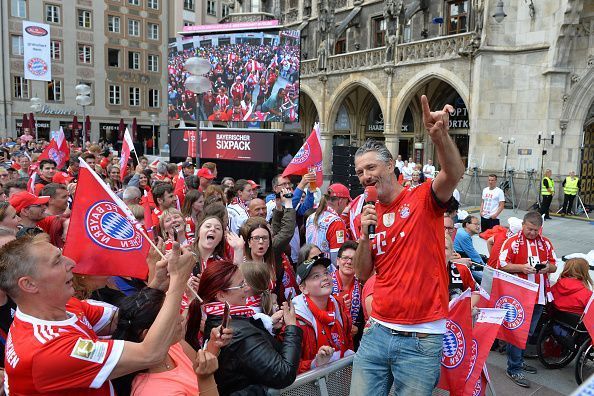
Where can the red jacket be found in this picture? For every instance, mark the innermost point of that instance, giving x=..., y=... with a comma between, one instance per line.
x=309, y=343
x=570, y=295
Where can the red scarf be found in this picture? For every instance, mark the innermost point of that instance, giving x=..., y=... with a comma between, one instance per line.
x=218, y=308
x=329, y=330
x=238, y=201
x=254, y=301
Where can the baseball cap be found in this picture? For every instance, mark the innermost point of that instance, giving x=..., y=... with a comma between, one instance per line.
x=253, y=184
x=205, y=173
x=305, y=268
x=338, y=190
x=187, y=165
x=24, y=199
x=62, y=178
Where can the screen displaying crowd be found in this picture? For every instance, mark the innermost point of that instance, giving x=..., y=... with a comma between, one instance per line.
x=254, y=77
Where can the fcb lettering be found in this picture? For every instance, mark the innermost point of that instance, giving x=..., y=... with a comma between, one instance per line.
x=515, y=315
x=454, y=346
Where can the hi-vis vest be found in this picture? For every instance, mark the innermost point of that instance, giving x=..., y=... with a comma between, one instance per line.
x=543, y=189
x=571, y=186
x=317, y=235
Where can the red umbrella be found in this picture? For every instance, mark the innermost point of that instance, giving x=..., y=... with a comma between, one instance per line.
x=32, y=123
x=134, y=129
x=25, y=124
x=121, y=129
x=88, y=127
x=75, y=126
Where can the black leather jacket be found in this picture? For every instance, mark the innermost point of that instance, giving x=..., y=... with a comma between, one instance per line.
x=255, y=360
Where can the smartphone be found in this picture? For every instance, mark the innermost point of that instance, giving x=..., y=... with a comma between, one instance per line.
x=197, y=269
x=291, y=296
x=538, y=267
x=226, y=317
x=175, y=235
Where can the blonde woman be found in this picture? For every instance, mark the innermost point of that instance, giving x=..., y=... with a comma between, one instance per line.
x=259, y=297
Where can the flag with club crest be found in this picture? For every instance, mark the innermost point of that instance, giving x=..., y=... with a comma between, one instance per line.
x=588, y=318
x=104, y=237
x=127, y=148
x=455, y=357
x=57, y=150
x=518, y=296
x=309, y=156
x=484, y=332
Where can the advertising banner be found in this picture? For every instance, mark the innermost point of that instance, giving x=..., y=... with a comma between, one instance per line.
x=237, y=145
x=36, y=42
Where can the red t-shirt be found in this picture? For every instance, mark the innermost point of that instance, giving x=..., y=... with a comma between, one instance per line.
x=367, y=291
x=336, y=235
x=62, y=357
x=412, y=282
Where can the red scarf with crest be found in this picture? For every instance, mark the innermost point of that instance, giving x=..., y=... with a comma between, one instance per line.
x=218, y=308
x=329, y=329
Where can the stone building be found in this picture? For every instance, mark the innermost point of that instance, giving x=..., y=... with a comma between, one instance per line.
x=510, y=72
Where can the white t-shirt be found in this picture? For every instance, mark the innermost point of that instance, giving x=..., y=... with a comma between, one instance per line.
x=399, y=165
x=429, y=171
x=407, y=172
x=491, y=199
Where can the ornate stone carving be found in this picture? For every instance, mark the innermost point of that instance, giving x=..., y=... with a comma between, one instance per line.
x=322, y=56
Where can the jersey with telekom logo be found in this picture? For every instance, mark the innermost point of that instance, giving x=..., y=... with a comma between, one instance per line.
x=61, y=357
x=411, y=286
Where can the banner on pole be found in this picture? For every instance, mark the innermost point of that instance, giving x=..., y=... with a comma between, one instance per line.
x=36, y=43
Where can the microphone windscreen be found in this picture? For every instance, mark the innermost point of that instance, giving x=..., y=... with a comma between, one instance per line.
x=370, y=194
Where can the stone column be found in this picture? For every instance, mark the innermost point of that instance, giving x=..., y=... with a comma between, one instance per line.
x=325, y=134
x=391, y=131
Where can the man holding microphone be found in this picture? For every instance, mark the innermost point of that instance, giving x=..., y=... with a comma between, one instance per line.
x=402, y=341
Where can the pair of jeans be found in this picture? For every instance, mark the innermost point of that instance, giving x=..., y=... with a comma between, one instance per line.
x=515, y=355
x=384, y=358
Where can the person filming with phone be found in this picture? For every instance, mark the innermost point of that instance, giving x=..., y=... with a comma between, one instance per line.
x=530, y=256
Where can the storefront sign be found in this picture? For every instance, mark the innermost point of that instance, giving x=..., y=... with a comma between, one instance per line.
x=459, y=117
x=39, y=123
x=57, y=111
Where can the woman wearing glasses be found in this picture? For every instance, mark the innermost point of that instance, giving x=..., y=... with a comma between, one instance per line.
x=254, y=360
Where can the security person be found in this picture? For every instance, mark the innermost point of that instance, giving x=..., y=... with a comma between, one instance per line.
x=547, y=190
x=571, y=186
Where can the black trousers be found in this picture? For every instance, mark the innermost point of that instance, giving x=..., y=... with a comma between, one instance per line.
x=487, y=224
x=568, y=203
x=545, y=205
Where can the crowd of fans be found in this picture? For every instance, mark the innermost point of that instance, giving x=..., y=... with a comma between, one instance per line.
x=250, y=82
x=302, y=277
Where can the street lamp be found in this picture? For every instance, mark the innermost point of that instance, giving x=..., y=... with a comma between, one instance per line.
x=507, y=143
x=153, y=120
x=83, y=99
x=499, y=13
x=197, y=83
x=543, y=140
x=36, y=108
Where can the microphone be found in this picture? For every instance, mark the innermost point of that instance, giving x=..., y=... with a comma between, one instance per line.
x=370, y=196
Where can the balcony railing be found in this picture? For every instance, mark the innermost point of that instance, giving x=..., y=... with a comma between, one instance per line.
x=247, y=17
x=435, y=49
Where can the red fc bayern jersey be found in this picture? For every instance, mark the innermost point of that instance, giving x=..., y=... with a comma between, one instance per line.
x=411, y=286
x=61, y=357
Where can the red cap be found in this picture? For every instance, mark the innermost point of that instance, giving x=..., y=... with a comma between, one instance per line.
x=338, y=190
x=62, y=178
x=24, y=199
x=253, y=184
x=205, y=173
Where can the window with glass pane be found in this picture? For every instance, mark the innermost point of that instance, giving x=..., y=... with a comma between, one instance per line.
x=134, y=96
x=225, y=10
x=153, y=98
x=54, y=91
x=154, y=4
x=17, y=46
x=255, y=6
x=85, y=53
x=134, y=27
x=153, y=63
x=84, y=19
x=52, y=13
x=18, y=8
x=153, y=31
x=20, y=88
x=134, y=2
x=186, y=23
x=378, y=37
x=189, y=5
x=115, y=95
x=113, y=24
x=113, y=57
x=211, y=8
x=134, y=60
x=56, y=50
x=457, y=17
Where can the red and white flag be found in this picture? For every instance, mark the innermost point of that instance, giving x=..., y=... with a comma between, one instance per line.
x=588, y=318
x=308, y=156
x=484, y=332
x=127, y=148
x=457, y=341
x=104, y=237
x=57, y=150
x=180, y=189
x=190, y=137
x=518, y=296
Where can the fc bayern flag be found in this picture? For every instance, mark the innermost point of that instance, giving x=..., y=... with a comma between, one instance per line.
x=190, y=137
x=103, y=237
x=308, y=156
x=479, y=388
x=484, y=332
x=517, y=296
x=457, y=341
x=588, y=318
x=57, y=150
x=127, y=147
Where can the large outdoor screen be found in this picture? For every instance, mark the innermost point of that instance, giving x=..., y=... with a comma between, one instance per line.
x=254, y=77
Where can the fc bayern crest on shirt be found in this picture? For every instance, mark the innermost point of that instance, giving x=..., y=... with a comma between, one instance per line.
x=515, y=312
x=454, y=347
x=107, y=226
x=404, y=211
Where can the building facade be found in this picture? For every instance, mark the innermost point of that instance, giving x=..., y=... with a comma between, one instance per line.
x=365, y=64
